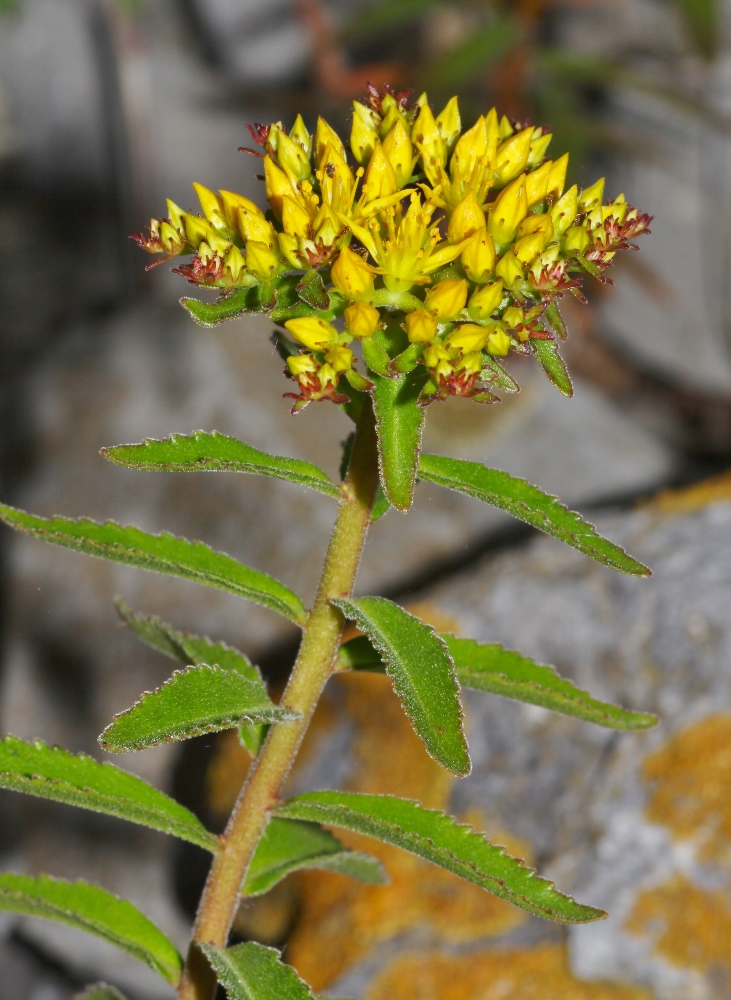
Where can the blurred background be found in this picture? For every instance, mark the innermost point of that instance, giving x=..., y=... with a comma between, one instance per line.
x=108, y=106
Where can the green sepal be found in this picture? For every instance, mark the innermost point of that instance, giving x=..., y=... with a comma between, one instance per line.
x=490, y=667
x=311, y=289
x=78, y=780
x=407, y=360
x=195, y=650
x=556, y=321
x=399, y=425
x=193, y=701
x=252, y=971
x=376, y=357
x=213, y=452
x=588, y=265
x=440, y=839
x=289, y=845
x=553, y=365
x=162, y=553
x=494, y=373
x=243, y=300
x=422, y=673
x=527, y=502
x=94, y=910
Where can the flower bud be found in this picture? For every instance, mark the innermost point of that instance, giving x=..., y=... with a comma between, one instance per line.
x=536, y=184
x=449, y=123
x=253, y=226
x=351, y=275
x=428, y=139
x=509, y=269
x=326, y=226
x=301, y=364
x=528, y=248
x=325, y=136
x=466, y=219
x=400, y=152
x=196, y=229
x=210, y=202
x=421, y=326
x=508, y=211
x=447, y=298
x=470, y=149
x=234, y=262
x=277, y=185
x=494, y=137
x=327, y=375
x=564, y=211
x=513, y=316
x=557, y=176
x=261, y=260
x=293, y=157
x=301, y=136
x=498, y=343
x=577, y=238
x=478, y=257
x=361, y=320
x=538, y=146
x=333, y=168
x=233, y=202
x=506, y=129
x=313, y=333
x=295, y=219
x=170, y=238
x=512, y=156
x=537, y=224
x=468, y=338
x=471, y=364
x=592, y=197
x=176, y=215
x=363, y=133
x=289, y=249
x=434, y=354
x=341, y=358
x=485, y=301
x=380, y=178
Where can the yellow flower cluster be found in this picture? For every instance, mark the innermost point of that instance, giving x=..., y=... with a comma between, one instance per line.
x=448, y=247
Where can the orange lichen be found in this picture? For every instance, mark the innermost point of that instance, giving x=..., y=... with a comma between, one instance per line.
x=688, y=499
x=540, y=973
x=342, y=921
x=691, y=927
x=692, y=776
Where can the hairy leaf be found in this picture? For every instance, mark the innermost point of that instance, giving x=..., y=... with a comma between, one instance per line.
x=99, y=992
x=196, y=650
x=445, y=842
x=254, y=972
x=96, y=911
x=311, y=289
x=399, y=423
x=288, y=845
x=490, y=667
x=527, y=502
x=499, y=378
x=163, y=553
x=194, y=701
x=422, y=672
x=78, y=780
x=214, y=452
x=556, y=320
x=243, y=300
x=381, y=505
x=553, y=365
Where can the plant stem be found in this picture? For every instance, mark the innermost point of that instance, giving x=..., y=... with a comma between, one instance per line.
x=314, y=665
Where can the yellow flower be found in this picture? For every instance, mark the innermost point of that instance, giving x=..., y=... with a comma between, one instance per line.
x=278, y=184
x=300, y=135
x=537, y=224
x=498, y=343
x=326, y=136
x=478, y=256
x=341, y=358
x=261, y=260
x=232, y=202
x=513, y=316
x=447, y=299
x=429, y=141
x=512, y=157
x=471, y=165
x=313, y=333
x=467, y=218
x=468, y=338
x=421, y=326
x=408, y=249
x=564, y=211
x=591, y=198
x=508, y=211
x=363, y=132
x=557, y=176
x=449, y=123
x=436, y=357
x=352, y=276
x=577, y=238
x=536, y=184
x=253, y=226
x=380, y=178
x=471, y=364
x=485, y=301
x=528, y=248
x=295, y=219
x=361, y=319
x=301, y=364
x=400, y=153
x=293, y=157
x=510, y=269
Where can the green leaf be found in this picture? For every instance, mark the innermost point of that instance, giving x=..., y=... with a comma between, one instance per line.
x=243, y=300
x=442, y=840
x=162, y=553
x=553, y=365
x=490, y=667
x=376, y=357
x=527, y=502
x=96, y=911
x=408, y=359
x=497, y=376
x=78, y=780
x=194, y=701
x=422, y=673
x=399, y=423
x=288, y=845
x=99, y=992
x=311, y=289
x=214, y=452
x=556, y=320
x=197, y=650
x=253, y=972
x=380, y=505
